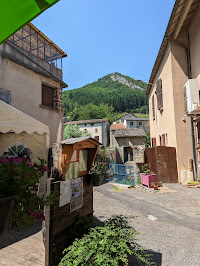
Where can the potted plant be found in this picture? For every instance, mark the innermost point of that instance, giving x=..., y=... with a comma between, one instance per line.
x=19, y=179
x=154, y=185
x=147, y=176
x=100, y=170
x=109, y=244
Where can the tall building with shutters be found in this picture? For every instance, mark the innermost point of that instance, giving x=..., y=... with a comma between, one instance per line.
x=177, y=62
x=31, y=77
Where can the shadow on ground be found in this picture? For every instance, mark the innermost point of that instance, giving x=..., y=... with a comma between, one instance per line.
x=14, y=236
x=155, y=257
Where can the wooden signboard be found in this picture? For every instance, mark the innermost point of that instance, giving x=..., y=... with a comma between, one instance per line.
x=76, y=194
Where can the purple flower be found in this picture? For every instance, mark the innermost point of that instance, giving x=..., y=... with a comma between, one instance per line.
x=45, y=169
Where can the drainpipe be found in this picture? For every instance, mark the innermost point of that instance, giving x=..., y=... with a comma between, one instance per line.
x=194, y=157
x=192, y=121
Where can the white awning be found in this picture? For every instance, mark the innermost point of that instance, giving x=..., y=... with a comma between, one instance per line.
x=13, y=120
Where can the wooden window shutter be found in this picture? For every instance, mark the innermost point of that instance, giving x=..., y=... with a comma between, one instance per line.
x=153, y=141
x=159, y=94
x=153, y=106
x=47, y=96
x=163, y=139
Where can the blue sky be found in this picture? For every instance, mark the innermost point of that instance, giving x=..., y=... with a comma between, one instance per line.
x=106, y=36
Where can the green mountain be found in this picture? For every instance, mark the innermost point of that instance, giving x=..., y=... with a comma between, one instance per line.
x=109, y=96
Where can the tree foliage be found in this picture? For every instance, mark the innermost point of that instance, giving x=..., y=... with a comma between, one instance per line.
x=73, y=131
x=148, y=140
x=104, y=97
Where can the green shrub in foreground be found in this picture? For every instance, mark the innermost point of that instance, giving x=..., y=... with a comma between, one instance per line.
x=105, y=245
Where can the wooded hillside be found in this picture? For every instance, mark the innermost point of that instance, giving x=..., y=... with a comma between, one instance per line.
x=109, y=97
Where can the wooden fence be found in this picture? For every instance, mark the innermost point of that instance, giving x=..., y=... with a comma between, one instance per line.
x=162, y=160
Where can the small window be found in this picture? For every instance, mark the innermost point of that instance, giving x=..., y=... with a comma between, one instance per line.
x=131, y=123
x=153, y=107
x=122, y=120
x=96, y=130
x=92, y=124
x=48, y=96
x=85, y=125
x=96, y=138
x=113, y=131
x=163, y=140
x=140, y=124
x=17, y=149
x=159, y=94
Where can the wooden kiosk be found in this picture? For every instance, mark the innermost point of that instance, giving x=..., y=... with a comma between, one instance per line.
x=76, y=193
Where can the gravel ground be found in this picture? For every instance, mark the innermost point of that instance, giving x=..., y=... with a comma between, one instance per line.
x=174, y=234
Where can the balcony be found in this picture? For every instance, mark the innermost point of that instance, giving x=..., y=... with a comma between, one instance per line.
x=33, y=41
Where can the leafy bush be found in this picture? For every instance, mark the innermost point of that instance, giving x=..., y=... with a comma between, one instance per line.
x=18, y=176
x=145, y=169
x=105, y=245
x=101, y=166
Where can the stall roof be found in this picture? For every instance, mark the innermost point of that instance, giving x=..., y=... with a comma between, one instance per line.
x=13, y=120
x=76, y=140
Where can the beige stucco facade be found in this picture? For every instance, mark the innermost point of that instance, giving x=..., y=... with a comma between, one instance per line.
x=25, y=86
x=171, y=119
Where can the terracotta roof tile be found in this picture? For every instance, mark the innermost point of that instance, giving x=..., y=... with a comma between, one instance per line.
x=117, y=126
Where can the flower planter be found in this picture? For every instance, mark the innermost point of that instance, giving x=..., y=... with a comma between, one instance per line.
x=148, y=179
x=6, y=206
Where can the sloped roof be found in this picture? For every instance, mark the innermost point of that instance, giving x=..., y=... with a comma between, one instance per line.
x=117, y=126
x=137, y=119
x=130, y=132
x=86, y=121
x=80, y=139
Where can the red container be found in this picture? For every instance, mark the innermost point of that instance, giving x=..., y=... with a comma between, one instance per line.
x=148, y=179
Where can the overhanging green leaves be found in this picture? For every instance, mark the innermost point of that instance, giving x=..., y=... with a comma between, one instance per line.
x=16, y=13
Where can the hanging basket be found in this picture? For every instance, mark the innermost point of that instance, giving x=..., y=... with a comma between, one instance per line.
x=6, y=207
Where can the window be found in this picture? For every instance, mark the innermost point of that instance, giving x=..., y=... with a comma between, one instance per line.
x=163, y=140
x=85, y=125
x=159, y=94
x=5, y=96
x=153, y=107
x=128, y=154
x=96, y=138
x=96, y=130
x=17, y=149
x=140, y=124
x=92, y=124
x=131, y=123
x=153, y=142
x=48, y=96
x=113, y=131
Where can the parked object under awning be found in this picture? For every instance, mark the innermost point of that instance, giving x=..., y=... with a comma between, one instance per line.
x=16, y=13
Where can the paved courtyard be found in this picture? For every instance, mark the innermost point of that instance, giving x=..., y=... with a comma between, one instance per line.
x=169, y=223
x=24, y=248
